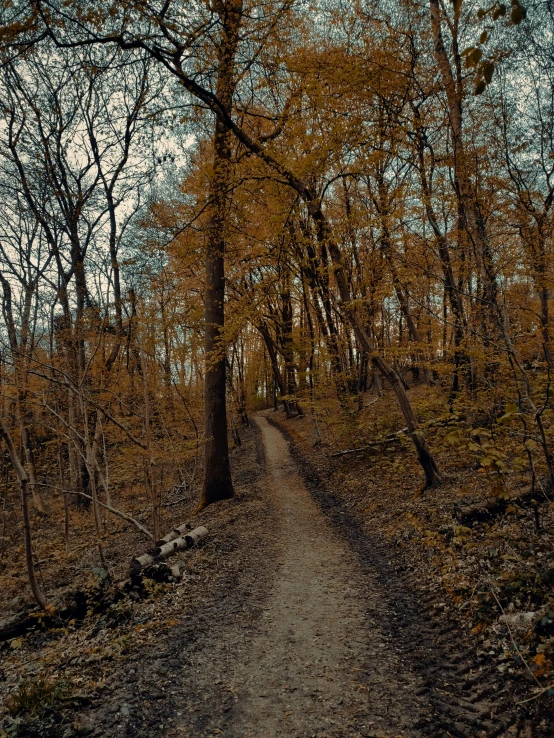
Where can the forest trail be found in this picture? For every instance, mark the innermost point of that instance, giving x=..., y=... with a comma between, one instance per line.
x=319, y=665
x=301, y=626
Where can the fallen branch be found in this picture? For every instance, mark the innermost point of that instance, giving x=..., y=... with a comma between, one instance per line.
x=369, y=404
x=175, y=502
x=513, y=639
x=388, y=439
x=21, y=623
x=120, y=514
x=490, y=508
x=538, y=694
x=16, y=626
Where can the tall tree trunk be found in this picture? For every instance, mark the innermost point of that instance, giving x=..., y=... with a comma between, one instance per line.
x=23, y=482
x=450, y=288
x=541, y=281
x=288, y=353
x=218, y=484
x=270, y=346
x=471, y=217
x=327, y=327
x=20, y=351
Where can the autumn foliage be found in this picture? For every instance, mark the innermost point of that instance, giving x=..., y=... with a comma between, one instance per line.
x=214, y=208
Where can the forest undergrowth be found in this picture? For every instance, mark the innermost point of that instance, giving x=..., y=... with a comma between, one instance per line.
x=483, y=542
x=54, y=672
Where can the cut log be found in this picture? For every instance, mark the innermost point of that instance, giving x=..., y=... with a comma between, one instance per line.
x=17, y=626
x=173, y=534
x=169, y=549
x=141, y=561
x=176, y=572
x=195, y=535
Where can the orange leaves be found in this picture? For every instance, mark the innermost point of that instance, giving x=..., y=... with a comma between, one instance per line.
x=540, y=665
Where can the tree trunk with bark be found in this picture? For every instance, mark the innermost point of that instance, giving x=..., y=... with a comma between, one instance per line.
x=23, y=478
x=218, y=484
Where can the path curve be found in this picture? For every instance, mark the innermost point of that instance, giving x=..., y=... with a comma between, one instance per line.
x=319, y=665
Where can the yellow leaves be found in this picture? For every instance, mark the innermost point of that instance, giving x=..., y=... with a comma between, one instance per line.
x=461, y=534
x=16, y=643
x=454, y=437
x=460, y=530
x=415, y=522
x=433, y=539
x=511, y=410
x=499, y=492
x=490, y=457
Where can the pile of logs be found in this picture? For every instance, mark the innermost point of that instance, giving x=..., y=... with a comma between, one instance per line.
x=152, y=564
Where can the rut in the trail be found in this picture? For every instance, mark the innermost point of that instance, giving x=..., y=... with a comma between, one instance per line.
x=319, y=664
x=458, y=692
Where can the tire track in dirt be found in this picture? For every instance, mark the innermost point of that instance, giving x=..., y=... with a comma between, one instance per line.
x=459, y=692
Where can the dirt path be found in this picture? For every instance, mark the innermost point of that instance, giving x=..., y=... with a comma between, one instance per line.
x=297, y=624
x=319, y=664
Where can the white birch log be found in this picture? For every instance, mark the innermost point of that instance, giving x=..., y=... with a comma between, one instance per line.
x=195, y=535
x=176, y=572
x=141, y=561
x=170, y=548
x=173, y=534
